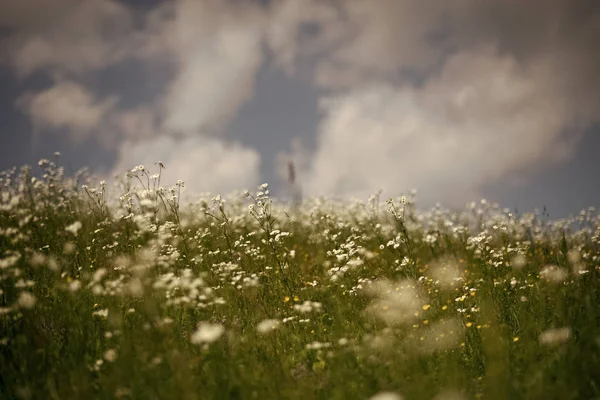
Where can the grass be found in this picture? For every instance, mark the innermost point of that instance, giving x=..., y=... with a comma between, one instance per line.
x=247, y=298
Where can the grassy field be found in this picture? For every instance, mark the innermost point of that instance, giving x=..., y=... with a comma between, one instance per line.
x=246, y=298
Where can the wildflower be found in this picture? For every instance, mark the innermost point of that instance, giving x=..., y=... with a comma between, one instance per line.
x=101, y=313
x=553, y=274
x=519, y=261
x=267, y=325
x=445, y=271
x=397, y=303
x=26, y=300
x=69, y=248
x=135, y=287
x=386, y=396
x=441, y=335
x=574, y=256
x=37, y=259
x=555, y=336
x=74, y=227
x=308, y=306
x=207, y=333
x=9, y=261
x=110, y=355
x=317, y=346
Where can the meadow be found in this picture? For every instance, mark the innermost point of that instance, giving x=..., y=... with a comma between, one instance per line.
x=123, y=290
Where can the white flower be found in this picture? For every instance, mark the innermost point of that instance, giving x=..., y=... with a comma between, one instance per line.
x=69, y=248
x=554, y=274
x=308, y=306
x=75, y=286
x=267, y=325
x=574, y=256
x=519, y=261
x=207, y=333
x=74, y=227
x=110, y=355
x=101, y=313
x=386, y=396
x=26, y=300
x=555, y=336
x=317, y=345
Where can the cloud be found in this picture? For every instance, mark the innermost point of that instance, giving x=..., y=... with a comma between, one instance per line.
x=385, y=38
x=204, y=164
x=448, y=97
x=380, y=40
x=68, y=106
x=136, y=124
x=218, y=52
x=295, y=31
x=481, y=119
x=67, y=35
x=213, y=49
x=29, y=14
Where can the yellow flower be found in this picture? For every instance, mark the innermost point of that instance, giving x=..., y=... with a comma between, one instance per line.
x=286, y=299
x=426, y=307
x=516, y=339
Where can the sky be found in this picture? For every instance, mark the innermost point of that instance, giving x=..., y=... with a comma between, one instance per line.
x=459, y=99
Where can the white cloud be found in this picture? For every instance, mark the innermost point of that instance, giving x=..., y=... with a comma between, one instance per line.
x=29, y=14
x=288, y=21
x=138, y=123
x=483, y=118
x=68, y=35
x=66, y=105
x=204, y=164
x=214, y=47
x=389, y=36
x=218, y=53
x=505, y=89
